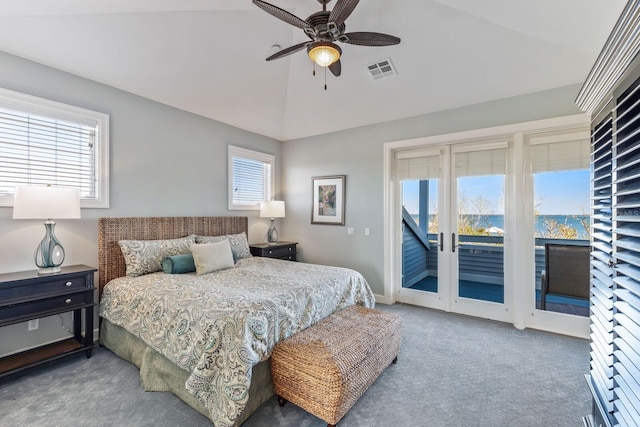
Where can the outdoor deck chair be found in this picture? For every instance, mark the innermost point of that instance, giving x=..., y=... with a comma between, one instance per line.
x=566, y=272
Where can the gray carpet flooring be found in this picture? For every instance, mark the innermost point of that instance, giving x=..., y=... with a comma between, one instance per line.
x=452, y=371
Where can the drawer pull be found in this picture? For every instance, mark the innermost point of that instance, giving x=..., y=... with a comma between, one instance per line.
x=68, y=284
x=289, y=248
x=270, y=252
x=67, y=301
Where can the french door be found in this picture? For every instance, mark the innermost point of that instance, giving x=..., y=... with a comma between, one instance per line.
x=453, y=220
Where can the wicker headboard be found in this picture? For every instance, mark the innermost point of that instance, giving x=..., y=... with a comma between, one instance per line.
x=110, y=230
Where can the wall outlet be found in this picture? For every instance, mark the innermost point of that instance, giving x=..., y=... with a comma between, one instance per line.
x=33, y=324
x=351, y=231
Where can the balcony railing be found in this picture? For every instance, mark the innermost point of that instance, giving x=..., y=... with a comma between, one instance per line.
x=480, y=258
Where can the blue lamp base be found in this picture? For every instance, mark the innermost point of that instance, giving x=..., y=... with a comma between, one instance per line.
x=49, y=254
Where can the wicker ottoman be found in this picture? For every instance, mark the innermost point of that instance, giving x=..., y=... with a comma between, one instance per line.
x=328, y=366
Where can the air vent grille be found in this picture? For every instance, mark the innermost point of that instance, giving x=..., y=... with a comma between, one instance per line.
x=382, y=69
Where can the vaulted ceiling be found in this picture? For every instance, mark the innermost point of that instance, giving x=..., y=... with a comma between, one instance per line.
x=208, y=56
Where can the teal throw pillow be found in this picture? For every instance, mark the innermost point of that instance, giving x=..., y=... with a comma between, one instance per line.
x=178, y=264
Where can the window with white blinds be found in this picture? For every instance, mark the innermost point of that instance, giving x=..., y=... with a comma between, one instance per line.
x=251, y=178
x=47, y=143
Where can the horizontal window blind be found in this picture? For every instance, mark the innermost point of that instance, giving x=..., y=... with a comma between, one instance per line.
x=37, y=150
x=560, y=156
x=481, y=163
x=626, y=254
x=251, y=183
x=251, y=177
x=602, y=284
x=418, y=168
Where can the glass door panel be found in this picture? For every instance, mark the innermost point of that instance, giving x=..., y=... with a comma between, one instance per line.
x=425, y=264
x=481, y=238
x=419, y=235
x=478, y=216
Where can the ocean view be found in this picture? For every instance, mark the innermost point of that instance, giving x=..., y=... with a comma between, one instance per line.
x=541, y=224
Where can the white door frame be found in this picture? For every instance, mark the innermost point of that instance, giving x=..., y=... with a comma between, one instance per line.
x=521, y=299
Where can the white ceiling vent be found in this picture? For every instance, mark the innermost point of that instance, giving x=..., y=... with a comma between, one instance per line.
x=381, y=69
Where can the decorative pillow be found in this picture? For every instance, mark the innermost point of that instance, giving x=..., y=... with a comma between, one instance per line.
x=145, y=256
x=178, y=264
x=210, y=257
x=239, y=244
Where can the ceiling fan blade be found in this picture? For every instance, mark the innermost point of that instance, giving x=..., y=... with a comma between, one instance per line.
x=281, y=14
x=336, y=68
x=369, y=39
x=288, y=51
x=342, y=10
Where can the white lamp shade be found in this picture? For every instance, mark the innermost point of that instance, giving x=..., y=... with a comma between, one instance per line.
x=272, y=209
x=46, y=203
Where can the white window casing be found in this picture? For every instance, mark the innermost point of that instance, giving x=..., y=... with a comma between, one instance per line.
x=43, y=142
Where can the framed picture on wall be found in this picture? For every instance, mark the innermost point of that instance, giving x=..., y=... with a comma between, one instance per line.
x=327, y=199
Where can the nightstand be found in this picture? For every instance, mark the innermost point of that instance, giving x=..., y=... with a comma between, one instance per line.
x=26, y=296
x=281, y=250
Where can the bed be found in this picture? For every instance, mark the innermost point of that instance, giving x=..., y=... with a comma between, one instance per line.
x=207, y=338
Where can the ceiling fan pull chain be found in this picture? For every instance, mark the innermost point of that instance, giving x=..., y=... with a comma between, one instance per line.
x=325, y=78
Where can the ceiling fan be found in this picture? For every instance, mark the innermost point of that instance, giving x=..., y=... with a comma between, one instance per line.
x=324, y=28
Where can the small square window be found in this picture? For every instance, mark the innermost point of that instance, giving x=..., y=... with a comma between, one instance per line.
x=251, y=178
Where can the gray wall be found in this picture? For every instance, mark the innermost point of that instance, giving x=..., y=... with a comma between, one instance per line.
x=163, y=162
x=358, y=153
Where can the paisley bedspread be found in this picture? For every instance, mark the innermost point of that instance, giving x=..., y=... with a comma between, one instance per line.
x=219, y=325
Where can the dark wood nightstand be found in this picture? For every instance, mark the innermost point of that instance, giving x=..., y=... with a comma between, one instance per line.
x=26, y=296
x=281, y=250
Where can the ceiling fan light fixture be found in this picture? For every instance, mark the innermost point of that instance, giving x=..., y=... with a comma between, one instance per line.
x=324, y=54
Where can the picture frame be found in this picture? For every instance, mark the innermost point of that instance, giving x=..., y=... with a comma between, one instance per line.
x=328, y=199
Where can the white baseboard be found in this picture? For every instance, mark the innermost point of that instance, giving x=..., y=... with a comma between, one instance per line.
x=383, y=299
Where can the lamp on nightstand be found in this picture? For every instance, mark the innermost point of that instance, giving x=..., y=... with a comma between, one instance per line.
x=47, y=203
x=273, y=209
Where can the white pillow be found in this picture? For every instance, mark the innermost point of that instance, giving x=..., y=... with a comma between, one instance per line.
x=210, y=257
x=239, y=244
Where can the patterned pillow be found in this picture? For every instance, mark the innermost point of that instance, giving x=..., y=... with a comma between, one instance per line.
x=145, y=256
x=239, y=244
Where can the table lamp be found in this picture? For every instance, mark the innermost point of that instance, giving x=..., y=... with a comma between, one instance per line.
x=47, y=203
x=273, y=209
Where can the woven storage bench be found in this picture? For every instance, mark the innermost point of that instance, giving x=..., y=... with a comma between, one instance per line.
x=325, y=368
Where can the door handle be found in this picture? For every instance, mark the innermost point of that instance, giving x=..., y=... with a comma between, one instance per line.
x=441, y=242
x=453, y=242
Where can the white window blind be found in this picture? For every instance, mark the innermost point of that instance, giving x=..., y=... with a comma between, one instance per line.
x=417, y=166
x=481, y=163
x=47, y=143
x=251, y=178
x=552, y=156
